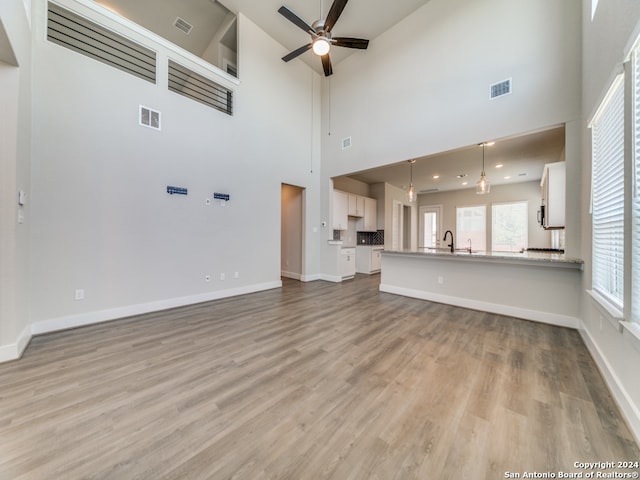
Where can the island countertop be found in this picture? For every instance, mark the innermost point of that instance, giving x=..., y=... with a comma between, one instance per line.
x=543, y=259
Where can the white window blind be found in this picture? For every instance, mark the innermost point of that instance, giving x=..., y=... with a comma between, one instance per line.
x=635, y=242
x=607, y=130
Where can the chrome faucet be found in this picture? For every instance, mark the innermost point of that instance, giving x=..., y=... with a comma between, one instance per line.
x=445, y=239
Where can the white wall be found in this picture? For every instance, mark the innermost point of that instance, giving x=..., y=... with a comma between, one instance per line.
x=605, y=40
x=526, y=191
x=423, y=86
x=15, y=119
x=102, y=220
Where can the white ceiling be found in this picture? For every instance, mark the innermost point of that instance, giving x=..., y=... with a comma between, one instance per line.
x=523, y=159
x=360, y=18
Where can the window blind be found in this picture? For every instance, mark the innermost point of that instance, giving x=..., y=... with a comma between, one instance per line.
x=607, y=130
x=635, y=235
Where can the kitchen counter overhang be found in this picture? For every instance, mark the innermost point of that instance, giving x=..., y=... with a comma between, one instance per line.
x=535, y=286
x=541, y=259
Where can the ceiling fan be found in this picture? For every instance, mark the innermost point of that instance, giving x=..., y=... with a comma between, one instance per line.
x=321, y=39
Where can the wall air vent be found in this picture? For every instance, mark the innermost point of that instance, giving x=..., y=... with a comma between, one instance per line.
x=149, y=118
x=429, y=190
x=196, y=87
x=500, y=88
x=182, y=24
x=83, y=36
x=346, y=143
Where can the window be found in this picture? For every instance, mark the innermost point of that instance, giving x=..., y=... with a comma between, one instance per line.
x=607, y=196
x=635, y=235
x=509, y=227
x=471, y=225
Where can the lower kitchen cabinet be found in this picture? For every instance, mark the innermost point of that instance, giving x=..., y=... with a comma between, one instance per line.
x=368, y=258
x=347, y=262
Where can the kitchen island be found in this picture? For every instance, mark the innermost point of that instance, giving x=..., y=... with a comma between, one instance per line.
x=537, y=286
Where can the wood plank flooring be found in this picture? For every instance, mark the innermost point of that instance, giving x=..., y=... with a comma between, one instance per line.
x=314, y=380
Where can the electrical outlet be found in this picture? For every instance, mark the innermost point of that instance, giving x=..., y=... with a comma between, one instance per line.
x=440, y=280
x=222, y=276
x=80, y=294
x=236, y=274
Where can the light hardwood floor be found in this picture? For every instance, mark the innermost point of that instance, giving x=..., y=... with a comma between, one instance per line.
x=310, y=381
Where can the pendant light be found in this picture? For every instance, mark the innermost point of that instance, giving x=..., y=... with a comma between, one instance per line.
x=483, y=186
x=411, y=194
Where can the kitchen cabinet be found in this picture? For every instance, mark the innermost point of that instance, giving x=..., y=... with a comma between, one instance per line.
x=356, y=205
x=347, y=262
x=370, y=218
x=368, y=258
x=340, y=220
x=553, y=185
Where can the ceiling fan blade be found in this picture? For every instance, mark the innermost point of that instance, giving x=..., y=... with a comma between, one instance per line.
x=295, y=53
x=348, y=42
x=326, y=65
x=296, y=20
x=334, y=14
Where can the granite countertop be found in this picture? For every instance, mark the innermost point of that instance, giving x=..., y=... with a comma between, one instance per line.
x=539, y=258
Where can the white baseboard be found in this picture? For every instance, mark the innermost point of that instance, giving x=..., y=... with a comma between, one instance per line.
x=627, y=407
x=15, y=350
x=88, y=318
x=518, y=312
x=310, y=278
x=329, y=278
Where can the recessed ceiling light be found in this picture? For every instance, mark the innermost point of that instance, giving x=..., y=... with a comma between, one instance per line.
x=465, y=183
x=435, y=177
x=507, y=177
x=488, y=144
x=499, y=165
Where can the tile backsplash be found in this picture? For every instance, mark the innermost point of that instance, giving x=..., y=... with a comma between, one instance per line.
x=371, y=238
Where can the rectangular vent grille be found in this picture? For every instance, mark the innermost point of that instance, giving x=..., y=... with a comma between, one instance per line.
x=149, y=118
x=196, y=87
x=346, y=143
x=182, y=24
x=88, y=38
x=499, y=89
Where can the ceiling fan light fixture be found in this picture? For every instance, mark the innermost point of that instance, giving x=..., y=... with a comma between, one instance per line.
x=321, y=46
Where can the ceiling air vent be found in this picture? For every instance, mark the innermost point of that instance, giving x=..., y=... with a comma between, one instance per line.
x=429, y=190
x=499, y=89
x=182, y=24
x=346, y=143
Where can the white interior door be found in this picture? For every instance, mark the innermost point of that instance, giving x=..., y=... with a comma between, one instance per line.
x=429, y=226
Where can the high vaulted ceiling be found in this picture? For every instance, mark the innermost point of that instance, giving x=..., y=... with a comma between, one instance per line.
x=360, y=18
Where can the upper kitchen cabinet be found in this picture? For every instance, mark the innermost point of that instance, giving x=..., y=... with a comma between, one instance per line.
x=340, y=220
x=356, y=205
x=370, y=217
x=552, y=211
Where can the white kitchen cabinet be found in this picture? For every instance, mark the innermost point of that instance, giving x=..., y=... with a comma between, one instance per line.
x=370, y=218
x=340, y=220
x=368, y=258
x=553, y=185
x=347, y=262
x=356, y=205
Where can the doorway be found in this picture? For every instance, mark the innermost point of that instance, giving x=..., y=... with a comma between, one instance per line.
x=429, y=226
x=291, y=231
